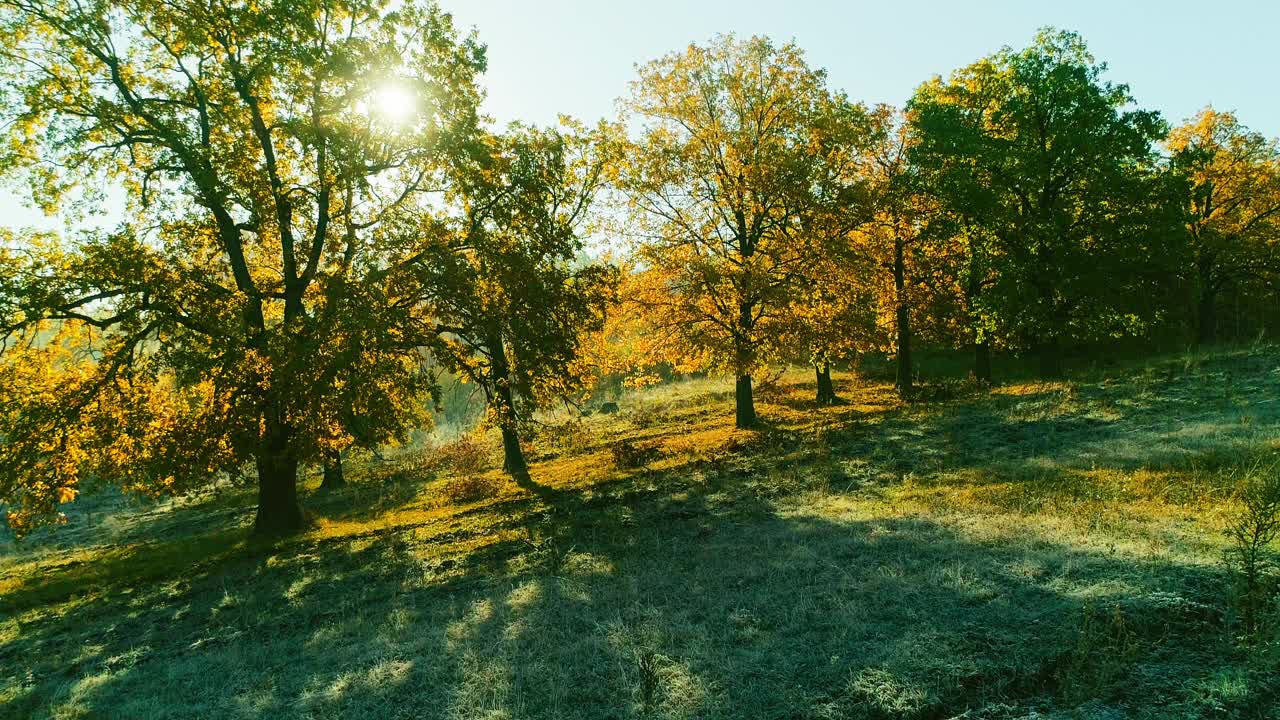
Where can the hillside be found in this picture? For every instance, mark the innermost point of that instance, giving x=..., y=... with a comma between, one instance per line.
x=1047, y=550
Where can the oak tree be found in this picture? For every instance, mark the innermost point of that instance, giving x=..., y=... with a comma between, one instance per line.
x=506, y=293
x=1037, y=152
x=1233, y=207
x=244, y=302
x=721, y=178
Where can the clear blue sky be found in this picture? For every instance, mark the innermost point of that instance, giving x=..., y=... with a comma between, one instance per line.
x=577, y=56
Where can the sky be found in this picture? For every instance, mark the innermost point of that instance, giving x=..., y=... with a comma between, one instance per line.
x=577, y=57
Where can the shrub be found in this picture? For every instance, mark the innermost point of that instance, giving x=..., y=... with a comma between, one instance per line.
x=946, y=389
x=463, y=457
x=1251, y=556
x=1104, y=649
x=470, y=488
x=466, y=460
x=567, y=438
x=629, y=454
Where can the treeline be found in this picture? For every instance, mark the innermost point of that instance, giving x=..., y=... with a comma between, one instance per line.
x=321, y=222
x=1024, y=203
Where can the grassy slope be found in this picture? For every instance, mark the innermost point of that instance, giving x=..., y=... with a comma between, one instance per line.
x=1042, y=550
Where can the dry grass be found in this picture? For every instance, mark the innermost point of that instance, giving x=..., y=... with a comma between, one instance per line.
x=1039, y=550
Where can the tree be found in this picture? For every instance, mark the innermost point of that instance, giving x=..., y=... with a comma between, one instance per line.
x=832, y=310
x=907, y=234
x=261, y=145
x=1233, y=208
x=722, y=179
x=506, y=300
x=832, y=317
x=1034, y=151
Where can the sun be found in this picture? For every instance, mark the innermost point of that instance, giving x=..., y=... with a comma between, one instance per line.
x=394, y=103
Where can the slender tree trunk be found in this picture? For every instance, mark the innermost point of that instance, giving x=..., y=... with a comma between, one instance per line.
x=1049, y=351
x=513, y=460
x=1207, y=316
x=982, y=361
x=904, y=379
x=981, y=348
x=333, y=476
x=826, y=389
x=279, y=512
x=744, y=402
x=745, y=408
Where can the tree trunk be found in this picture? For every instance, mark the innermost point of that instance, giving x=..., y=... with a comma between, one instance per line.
x=333, y=476
x=513, y=460
x=982, y=361
x=1050, y=355
x=904, y=378
x=279, y=512
x=745, y=408
x=903, y=317
x=1207, y=317
x=826, y=389
x=744, y=403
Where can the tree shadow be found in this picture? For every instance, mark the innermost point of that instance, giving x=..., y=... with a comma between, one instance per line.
x=679, y=591
x=1158, y=419
x=696, y=601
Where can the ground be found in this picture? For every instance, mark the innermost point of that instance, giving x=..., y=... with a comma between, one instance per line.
x=1030, y=550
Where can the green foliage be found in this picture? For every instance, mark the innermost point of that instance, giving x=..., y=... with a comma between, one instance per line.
x=1252, y=557
x=504, y=300
x=1053, y=174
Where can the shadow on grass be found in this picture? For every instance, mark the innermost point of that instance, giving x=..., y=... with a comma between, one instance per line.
x=701, y=601
x=673, y=592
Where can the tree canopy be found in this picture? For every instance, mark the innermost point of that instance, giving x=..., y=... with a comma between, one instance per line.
x=729, y=178
x=321, y=222
x=1054, y=164
x=1232, y=205
x=241, y=314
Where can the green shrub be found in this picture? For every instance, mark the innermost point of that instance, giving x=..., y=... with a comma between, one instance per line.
x=1251, y=555
x=1105, y=647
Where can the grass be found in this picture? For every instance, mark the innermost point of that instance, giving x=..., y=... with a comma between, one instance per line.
x=1047, y=550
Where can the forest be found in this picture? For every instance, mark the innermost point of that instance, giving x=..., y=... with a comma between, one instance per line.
x=753, y=400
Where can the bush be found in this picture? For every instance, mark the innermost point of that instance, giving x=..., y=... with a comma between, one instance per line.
x=1105, y=647
x=629, y=454
x=945, y=389
x=470, y=488
x=463, y=457
x=567, y=438
x=1251, y=556
x=466, y=460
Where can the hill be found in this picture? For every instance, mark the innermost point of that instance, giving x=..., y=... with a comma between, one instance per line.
x=1047, y=550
